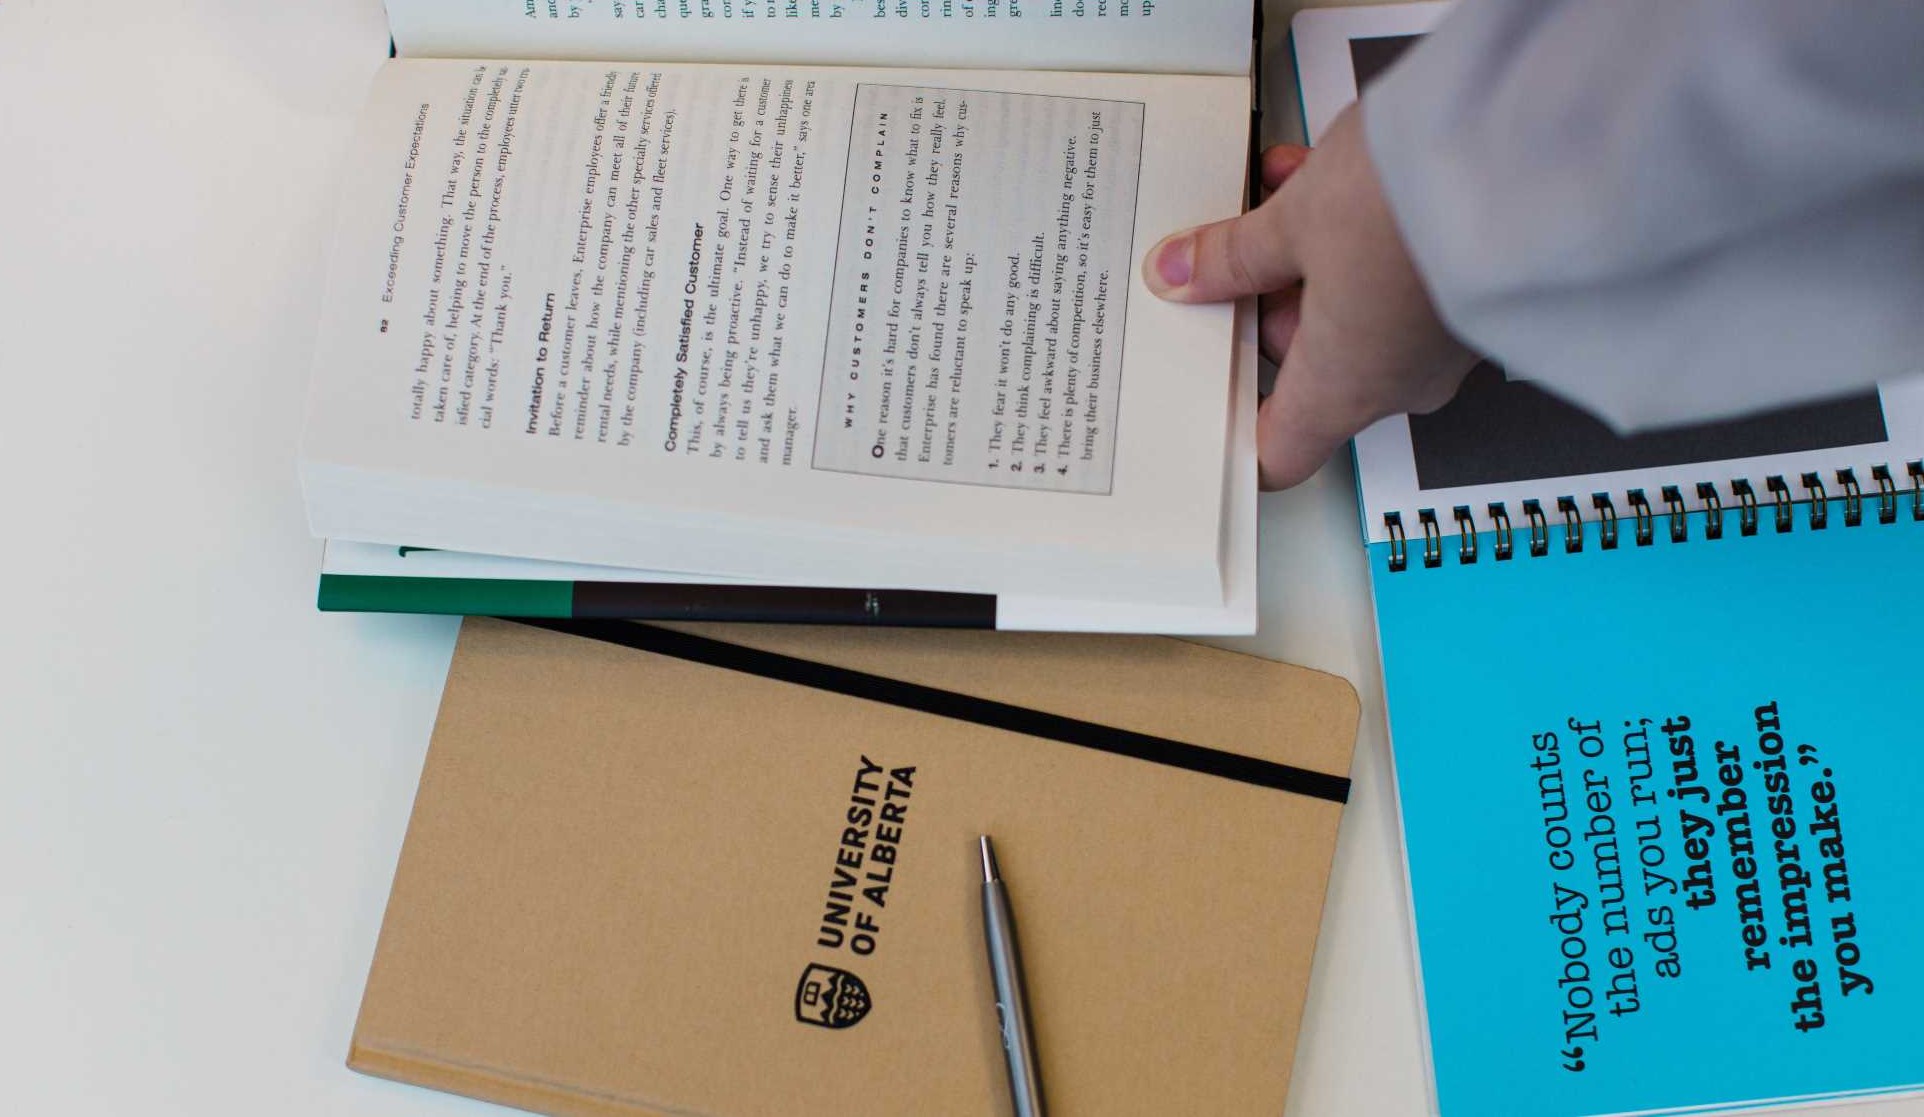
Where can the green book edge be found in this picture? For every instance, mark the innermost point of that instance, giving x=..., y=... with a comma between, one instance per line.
x=374, y=593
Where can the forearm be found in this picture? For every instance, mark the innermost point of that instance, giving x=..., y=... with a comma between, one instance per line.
x=1668, y=210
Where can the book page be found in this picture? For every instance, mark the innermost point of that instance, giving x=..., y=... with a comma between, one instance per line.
x=1141, y=36
x=844, y=301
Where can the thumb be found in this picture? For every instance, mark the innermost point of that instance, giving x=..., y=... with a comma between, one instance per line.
x=1246, y=255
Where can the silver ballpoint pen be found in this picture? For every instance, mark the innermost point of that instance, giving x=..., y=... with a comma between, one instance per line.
x=1011, y=998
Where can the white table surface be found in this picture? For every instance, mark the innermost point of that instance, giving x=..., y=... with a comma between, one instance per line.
x=204, y=782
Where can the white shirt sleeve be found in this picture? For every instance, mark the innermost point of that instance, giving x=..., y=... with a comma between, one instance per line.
x=1668, y=210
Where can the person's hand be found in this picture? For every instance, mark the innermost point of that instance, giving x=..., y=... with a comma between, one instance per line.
x=1345, y=313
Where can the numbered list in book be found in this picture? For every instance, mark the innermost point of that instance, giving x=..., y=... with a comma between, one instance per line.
x=981, y=278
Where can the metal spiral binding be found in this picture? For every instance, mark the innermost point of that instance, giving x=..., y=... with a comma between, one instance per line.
x=1819, y=502
x=1640, y=507
x=1399, y=548
x=1780, y=492
x=1714, y=509
x=1853, y=498
x=1539, y=529
x=1886, y=494
x=1465, y=535
x=1679, y=515
x=1432, y=538
x=1884, y=491
x=1606, y=520
x=1747, y=501
x=1572, y=525
x=1501, y=519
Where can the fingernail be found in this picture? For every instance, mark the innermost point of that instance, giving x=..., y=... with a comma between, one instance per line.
x=1176, y=261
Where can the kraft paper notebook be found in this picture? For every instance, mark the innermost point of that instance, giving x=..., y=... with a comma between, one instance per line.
x=1653, y=705
x=732, y=870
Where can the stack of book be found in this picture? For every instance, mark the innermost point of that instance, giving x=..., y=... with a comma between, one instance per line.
x=796, y=316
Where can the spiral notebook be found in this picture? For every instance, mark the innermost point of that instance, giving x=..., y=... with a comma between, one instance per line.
x=1653, y=706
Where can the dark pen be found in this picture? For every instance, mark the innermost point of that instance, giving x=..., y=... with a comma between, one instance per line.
x=1011, y=999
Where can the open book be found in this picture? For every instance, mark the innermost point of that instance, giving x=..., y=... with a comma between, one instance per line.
x=798, y=295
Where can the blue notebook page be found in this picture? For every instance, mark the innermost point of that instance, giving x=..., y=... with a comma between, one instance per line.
x=1661, y=810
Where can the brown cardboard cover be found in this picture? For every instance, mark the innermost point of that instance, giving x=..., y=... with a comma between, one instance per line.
x=619, y=863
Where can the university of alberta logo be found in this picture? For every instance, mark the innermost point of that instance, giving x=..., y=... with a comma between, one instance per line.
x=830, y=998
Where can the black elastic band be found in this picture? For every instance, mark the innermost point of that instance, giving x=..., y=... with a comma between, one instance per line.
x=949, y=704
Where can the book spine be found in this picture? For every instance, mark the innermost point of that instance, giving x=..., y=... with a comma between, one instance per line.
x=653, y=601
x=1887, y=503
x=497, y=597
x=782, y=604
x=1256, y=107
x=502, y=1087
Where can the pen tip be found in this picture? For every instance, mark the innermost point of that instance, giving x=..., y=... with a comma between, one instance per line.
x=989, y=871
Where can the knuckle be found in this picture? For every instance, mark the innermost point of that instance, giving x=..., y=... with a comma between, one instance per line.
x=1243, y=263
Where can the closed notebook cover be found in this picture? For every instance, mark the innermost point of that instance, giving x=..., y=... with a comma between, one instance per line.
x=733, y=870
